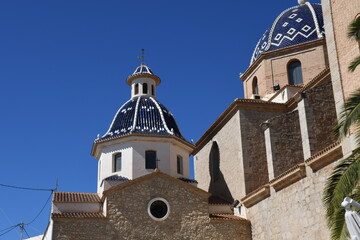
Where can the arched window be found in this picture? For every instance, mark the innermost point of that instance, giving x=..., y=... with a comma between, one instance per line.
x=150, y=159
x=117, y=162
x=255, y=87
x=152, y=90
x=214, y=162
x=136, y=88
x=295, y=73
x=179, y=164
x=145, y=88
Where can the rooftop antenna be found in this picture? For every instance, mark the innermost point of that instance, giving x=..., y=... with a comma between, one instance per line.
x=142, y=57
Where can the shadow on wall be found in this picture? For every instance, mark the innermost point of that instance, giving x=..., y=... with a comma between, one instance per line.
x=218, y=186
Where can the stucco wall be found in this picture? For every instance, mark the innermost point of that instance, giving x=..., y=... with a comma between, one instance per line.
x=228, y=140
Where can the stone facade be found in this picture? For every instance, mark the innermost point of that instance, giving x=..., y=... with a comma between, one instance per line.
x=271, y=68
x=127, y=215
x=285, y=139
x=295, y=212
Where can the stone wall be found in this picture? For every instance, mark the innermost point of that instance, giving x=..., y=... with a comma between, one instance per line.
x=273, y=69
x=253, y=148
x=128, y=218
x=295, y=212
x=321, y=116
x=286, y=144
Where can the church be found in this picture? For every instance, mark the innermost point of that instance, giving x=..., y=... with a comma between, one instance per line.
x=260, y=168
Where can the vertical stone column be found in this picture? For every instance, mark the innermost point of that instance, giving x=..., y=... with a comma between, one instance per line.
x=269, y=150
x=305, y=128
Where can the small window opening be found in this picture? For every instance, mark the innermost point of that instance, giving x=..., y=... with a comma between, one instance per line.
x=145, y=88
x=150, y=159
x=136, y=88
x=255, y=87
x=295, y=73
x=152, y=90
x=179, y=163
x=117, y=162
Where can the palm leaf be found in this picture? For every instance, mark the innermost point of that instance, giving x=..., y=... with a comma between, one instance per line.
x=340, y=184
x=354, y=29
x=354, y=64
x=349, y=116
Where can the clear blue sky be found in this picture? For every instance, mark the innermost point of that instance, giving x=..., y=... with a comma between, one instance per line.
x=63, y=66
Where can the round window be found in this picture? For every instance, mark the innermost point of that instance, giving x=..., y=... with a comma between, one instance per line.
x=158, y=209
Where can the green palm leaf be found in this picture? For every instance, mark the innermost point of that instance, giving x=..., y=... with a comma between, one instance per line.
x=354, y=64
x=340, y=184
x=350, y=116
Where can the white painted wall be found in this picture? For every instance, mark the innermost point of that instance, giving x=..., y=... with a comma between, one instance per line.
x=133, y=150
x=76, y=207
x=141, y=81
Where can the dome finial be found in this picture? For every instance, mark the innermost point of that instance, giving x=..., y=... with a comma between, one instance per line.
x=302, y=2
x=142, y=57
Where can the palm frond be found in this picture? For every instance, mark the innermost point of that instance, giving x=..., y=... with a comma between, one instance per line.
x=354, y=64
x=354, y=29
x=349, y=116
x=341, y=183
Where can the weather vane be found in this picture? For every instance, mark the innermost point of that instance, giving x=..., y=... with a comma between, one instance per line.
x=142, y=57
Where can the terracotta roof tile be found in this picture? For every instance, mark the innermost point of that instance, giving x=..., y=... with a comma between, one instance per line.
x=71, y=197
x=80, y=215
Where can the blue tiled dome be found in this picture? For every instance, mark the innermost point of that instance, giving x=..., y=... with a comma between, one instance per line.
x=143, y=115
x=296, y=25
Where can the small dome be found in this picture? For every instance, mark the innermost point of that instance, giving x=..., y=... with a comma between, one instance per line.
x=296, y=25
x=143, y=71
x=143, y=115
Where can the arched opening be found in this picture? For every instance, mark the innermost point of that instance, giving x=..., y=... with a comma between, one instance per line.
x=295, y=73
x=136, y=88
x=152, y=90
x=214, y=162
x=255, y=87
x=145, y=88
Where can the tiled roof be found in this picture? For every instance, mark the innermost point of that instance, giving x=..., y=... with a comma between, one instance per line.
x=143, y=115
x=116, y=178
x=227, y=217
x=218, y=201
x=187, y=180
x=296, y=25
x=79, y=215
x=71, y=197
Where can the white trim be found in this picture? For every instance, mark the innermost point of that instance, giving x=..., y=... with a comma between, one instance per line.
x=167, y=205
x=135, y=116
x=115, y=117
x=162, y=116
x=315, y=19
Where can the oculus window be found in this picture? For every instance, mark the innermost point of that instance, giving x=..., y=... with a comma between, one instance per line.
x=150, y=159
x=295, y=73
x=158, y=209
